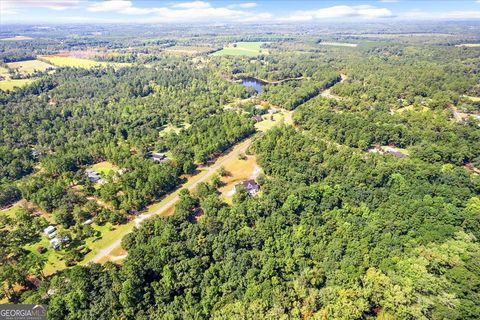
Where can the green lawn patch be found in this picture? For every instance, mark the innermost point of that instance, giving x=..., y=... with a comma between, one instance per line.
x=249, y=49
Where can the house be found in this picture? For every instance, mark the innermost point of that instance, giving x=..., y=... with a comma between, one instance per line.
x=376, y=149
x=395, y=152
x=272, y=111
x=157, y=156
x=250, y=185
x=52, y=235
x=257, y=118
x=87, y=222
x=93, y=175
x=55, y=243
x=49, y=229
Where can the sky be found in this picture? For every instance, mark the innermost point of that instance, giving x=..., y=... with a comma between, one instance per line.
x=269, y=11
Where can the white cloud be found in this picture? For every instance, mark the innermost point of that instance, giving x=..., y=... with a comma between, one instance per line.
x=49, y=4
x=194, y=11
x=192, y=5
x=245, y=5
x=361, y=11
x=447, y=15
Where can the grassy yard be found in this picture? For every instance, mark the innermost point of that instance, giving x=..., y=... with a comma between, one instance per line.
x=339, y=44
x=469, y=45
x=11, y=211
x=104, y=167
x=78, y=62
x=238, y=171
x=172, y=128
x=474, y=99
x=29, y=66
x=4, y=72
x=272, y=120
x=249, y=49
x=12, y=84
x=17, y=38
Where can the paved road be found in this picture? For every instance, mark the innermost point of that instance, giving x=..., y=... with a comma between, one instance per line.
x=201, y=177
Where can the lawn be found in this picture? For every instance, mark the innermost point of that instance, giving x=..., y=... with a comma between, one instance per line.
x=17, y=38
x=469, y=45
x=29, y=66
x=11, y=211
x=238, y=171
x=4, y=72
x=272, y=120
x=474, y=99
x=11, y=84
x=78, y=62
x=339, y=44
x=250, y=49
x=104, y=167
x=172, y=128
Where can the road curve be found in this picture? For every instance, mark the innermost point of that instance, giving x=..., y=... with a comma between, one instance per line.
x=192, y=184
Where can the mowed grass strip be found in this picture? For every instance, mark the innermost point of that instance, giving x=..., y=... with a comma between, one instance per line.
x=80, y=63
x=250, y=49
x=104, y=167
x=29, y=66
x=17, y=38
x=12, y=84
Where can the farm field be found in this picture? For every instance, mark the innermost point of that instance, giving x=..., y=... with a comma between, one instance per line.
x=78, y=62
x=29, y=66
x=250, y=49
x=339, y=44
x=11, y=84
x=469, y=45
x=186, y=50
x=17, y=38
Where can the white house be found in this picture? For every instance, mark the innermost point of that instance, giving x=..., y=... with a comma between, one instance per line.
x=49, y=230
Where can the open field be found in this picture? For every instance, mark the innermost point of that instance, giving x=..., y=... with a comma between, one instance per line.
x=474, y=99
x=468, y=45
x=11, y=211
x=60, y=61
x=104, y=167
x=411, y=108
x=172, y=128
x=11, y=84
x=271, y=120
x=187, y=50
x=250, y=49
x=238, y=171
x=29, y=66
x=17, y=38
x=339, y=44
x=4, y=72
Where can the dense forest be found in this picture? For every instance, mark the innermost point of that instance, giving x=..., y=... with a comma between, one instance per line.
x=369, y=201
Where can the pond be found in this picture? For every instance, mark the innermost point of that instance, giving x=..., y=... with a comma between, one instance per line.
x=256, y=84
